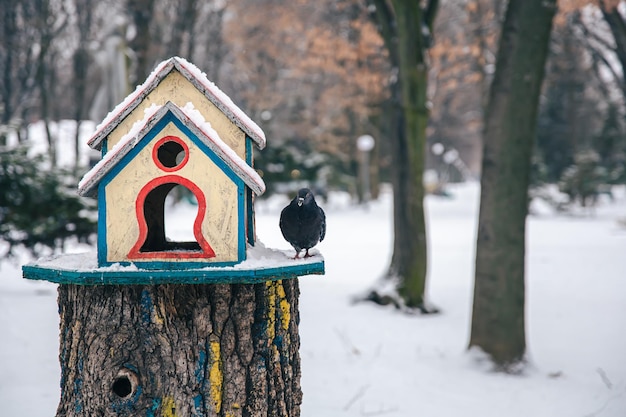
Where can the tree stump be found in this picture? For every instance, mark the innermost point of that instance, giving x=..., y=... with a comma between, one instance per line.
x=180, y=350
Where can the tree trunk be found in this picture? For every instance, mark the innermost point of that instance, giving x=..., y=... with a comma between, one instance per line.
x=410, y=250
x=9, y=33
x=180, y=350
x=42, y=76
x=184, y=24
x=141, y=15
x=498, y=325
x=617, y=24
x=402, y=27
x=80, y=61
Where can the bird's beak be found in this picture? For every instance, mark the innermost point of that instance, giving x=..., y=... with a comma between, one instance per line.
x=300, y=201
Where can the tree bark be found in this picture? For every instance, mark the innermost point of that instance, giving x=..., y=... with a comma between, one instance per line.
x=9, y=34
x=180, y=350
x=80, y=61
x=617, y=24
x=184, y=24
x=402, y=24
x=141, y=14
x=498, y=325
x=410, y=251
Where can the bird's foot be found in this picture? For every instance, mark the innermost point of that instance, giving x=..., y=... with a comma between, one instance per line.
x=307, y=254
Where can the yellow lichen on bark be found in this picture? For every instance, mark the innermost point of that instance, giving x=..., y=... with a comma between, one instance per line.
x=276, y=297
x=271, y=310
x=157, y=317
x=215, y=375
x=285, y=307
x=168, y=408
x=235, y=406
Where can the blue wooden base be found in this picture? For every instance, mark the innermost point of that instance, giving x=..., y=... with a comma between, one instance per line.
x=77, y=269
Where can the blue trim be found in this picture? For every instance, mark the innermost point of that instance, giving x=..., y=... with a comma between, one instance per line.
x=241, y=226
x=102, y=226
x=250, y=217
x=248, y=150
x=169, y=117
x=249, y=206
x=189, y=276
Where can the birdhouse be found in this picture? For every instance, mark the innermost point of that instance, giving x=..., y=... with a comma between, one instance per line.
x=177, y=130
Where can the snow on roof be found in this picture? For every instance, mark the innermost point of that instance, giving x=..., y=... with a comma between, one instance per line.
x=194, y=120
x=199, y=80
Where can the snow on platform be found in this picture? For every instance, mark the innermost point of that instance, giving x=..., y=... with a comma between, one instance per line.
x=263, y=264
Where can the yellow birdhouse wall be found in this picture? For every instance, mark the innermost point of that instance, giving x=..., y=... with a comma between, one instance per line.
x=220, y=217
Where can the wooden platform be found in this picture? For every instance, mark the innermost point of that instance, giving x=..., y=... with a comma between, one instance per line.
x=82, y=269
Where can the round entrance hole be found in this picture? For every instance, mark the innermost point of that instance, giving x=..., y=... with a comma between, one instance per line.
x=125, y=383
x=122, y=387
x=170, y=153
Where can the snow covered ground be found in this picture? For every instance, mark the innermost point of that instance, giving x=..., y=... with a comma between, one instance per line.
x=365, y=360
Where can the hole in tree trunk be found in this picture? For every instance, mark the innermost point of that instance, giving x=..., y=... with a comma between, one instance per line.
x=125, y=383
x=122, y=387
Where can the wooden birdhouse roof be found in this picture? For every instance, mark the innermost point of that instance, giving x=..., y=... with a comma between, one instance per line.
x=199, y=80
x=190, y=118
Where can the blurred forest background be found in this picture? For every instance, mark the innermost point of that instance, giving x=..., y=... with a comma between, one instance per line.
x=315, y=76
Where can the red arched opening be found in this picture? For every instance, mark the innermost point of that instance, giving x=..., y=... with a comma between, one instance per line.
x=150, y=211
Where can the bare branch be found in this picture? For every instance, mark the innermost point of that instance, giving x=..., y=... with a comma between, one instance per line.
x=430, y=13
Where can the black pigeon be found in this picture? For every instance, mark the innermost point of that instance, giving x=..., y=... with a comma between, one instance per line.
x=303, y=222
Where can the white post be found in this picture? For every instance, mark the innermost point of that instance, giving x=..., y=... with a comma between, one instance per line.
x=365, y=144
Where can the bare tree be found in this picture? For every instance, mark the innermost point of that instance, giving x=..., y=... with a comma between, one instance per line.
x=462, y=68
x=141, y=16
x=406, y=28
x=617, y=23
x=80, y=66
x=207, y=45
x=50, y=21
x=182, y=31
x=498, y=325
x=9, y=38
x=17, y=60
